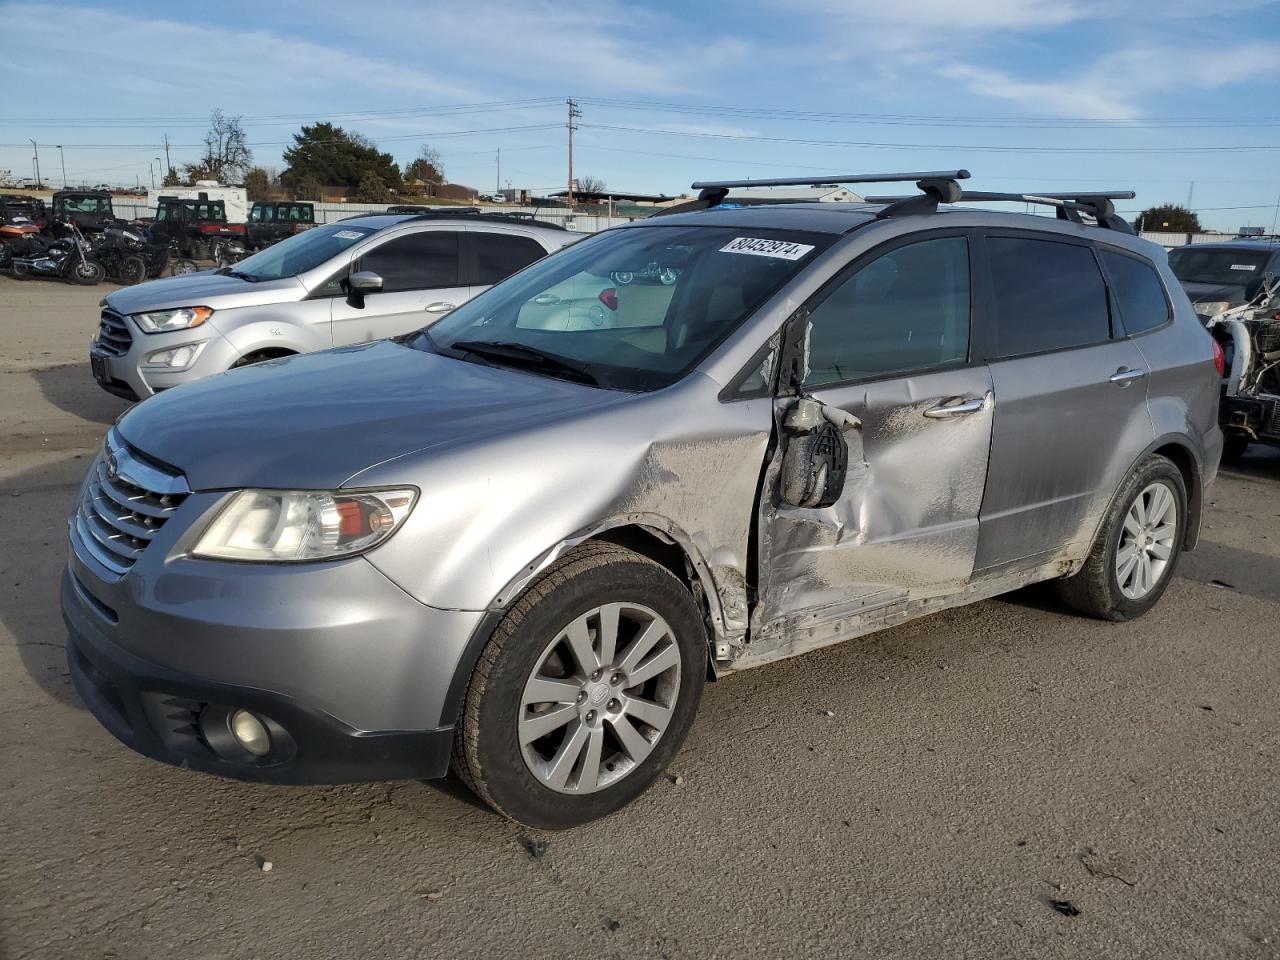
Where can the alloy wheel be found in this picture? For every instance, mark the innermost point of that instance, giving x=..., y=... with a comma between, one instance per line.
x=1147, y=540
x=600, y=696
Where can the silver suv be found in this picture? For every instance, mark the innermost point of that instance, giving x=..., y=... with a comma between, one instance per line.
x=359, y=279
x=519, y=541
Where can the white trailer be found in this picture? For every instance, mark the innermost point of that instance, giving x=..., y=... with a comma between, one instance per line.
x=234, y=199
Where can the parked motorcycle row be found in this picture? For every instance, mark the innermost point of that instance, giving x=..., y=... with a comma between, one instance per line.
x=120, y=251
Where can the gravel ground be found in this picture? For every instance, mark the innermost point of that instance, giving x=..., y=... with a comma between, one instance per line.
x=976, y=766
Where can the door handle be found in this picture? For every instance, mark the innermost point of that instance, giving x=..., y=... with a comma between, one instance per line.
x=1125, y=376
x=440, y=306
x=950, y=409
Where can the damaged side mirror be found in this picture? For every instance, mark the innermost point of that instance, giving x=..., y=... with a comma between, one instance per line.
x=815, y=459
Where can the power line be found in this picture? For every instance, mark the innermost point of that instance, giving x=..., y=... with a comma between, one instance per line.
x=975, y=148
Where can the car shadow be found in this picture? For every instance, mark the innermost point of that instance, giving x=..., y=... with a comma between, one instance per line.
x=71, y=388
x=34, y=506
x=1260, y=462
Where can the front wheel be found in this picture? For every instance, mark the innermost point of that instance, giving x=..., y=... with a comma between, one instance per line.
x=585, y=690
x=87, y=273
x=181, y=267
x=1133, y=560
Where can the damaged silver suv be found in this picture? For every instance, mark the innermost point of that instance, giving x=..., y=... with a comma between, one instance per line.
x=517, y=542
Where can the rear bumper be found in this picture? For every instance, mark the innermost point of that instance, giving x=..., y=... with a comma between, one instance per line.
x=180, y=719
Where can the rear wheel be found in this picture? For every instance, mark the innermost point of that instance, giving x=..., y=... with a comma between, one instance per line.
x=182, y=266
x=1133, y=561
x=132, y=270
x=585, y=690
x=1234, y=447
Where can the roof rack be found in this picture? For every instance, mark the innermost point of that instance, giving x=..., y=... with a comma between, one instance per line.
x=712, y=192
x=1069, y=206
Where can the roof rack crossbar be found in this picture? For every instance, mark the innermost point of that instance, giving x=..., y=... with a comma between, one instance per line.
x=833, y=180
x=1069, y=206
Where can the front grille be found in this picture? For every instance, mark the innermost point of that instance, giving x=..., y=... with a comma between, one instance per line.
x=1272, y=424
x=114, y=336
x=123, y=508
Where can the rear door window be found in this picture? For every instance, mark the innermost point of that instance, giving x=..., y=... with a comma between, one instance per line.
x=498, y=255
x=1047, y=295
x=1138, y=292
x=419, y=261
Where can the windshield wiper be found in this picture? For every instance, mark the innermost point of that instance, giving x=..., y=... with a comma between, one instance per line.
x=526, y=356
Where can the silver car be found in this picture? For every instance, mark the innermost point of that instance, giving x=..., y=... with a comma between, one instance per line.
x=341, y=283
x=517, y=543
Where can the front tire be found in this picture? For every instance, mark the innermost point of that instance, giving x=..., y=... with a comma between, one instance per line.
x=585, y=690
x=87, y=273
x=1133, y=560
x=1233, y=447
x=132, y=270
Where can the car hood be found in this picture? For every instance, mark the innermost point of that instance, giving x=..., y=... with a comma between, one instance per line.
x=313, y=421
x=205, y=289
x=1214, y=292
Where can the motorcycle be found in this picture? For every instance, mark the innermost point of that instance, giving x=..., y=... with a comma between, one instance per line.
x=126, y=255
x=225, y=252
x=65, y=258
x=13, y=237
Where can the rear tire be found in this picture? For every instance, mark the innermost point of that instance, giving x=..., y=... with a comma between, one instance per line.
x=613, y=753
x=132, y=270
x=1133, y=560
x=1234, y=447
x=181, y=267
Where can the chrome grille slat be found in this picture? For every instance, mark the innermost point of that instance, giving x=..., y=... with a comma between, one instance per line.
x=114, y=336
x=118, y=517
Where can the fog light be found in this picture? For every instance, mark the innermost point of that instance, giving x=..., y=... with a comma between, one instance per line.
x=250, y=733
x=176, y=358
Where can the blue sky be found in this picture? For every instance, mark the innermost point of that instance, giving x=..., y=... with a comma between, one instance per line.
x=1028, y=94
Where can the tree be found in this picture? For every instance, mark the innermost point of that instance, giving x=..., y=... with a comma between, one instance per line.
x=171, y=178
x=372, y=189
x=591, y=185
x=1168, y=217
x=428, y=167
x=308, y=188
x=257, y=184
x=227, y=156
x=329, y=155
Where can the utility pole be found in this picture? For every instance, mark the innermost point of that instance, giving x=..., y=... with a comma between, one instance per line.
x=63, y=159
x=35, y=152
x=151, y=164
x=168, y=166
x=574, y=114
x=1190, y=193
x=497, y=177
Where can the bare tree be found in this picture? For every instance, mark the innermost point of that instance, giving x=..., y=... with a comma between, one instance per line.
x=591, y=185
x=428, y=167
x=227, y=157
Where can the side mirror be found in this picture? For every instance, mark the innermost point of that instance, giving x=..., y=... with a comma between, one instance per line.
x=816, y=458
x=358, y=284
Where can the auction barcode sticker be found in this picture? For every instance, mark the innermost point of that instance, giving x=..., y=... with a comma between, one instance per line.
x=348, y=235
x=1244, y=266
x=757, y=247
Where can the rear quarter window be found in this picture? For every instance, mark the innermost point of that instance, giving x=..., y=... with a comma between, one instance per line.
x=1138, y=292
x=1047, y=296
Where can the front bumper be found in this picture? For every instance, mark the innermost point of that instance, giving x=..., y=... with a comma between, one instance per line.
x=175, y=718
x=128, y=375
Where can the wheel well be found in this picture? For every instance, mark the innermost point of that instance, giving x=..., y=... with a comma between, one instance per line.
x=662, y=550
x=266, y=353
x=1190, y=470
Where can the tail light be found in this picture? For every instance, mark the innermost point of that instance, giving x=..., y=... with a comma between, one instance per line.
x=609, y=297
x=1219, y=359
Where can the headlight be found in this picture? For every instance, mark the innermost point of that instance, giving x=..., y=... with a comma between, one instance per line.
x=1212, y=308
x=292, y=525
x=162, y=321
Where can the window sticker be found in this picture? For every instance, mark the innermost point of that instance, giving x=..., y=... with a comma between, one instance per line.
x=1244, y=266
x=348, y=234
x=757, y=247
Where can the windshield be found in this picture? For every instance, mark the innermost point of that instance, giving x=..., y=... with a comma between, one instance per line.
x=92, y=205
x=634, y=309
x=1240, y=268
x=302, y=251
